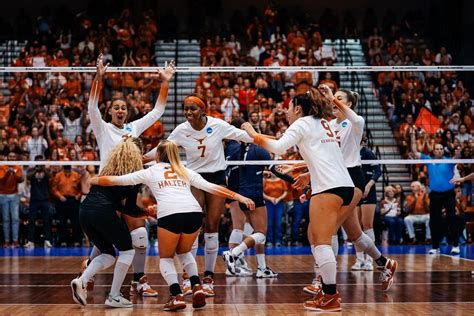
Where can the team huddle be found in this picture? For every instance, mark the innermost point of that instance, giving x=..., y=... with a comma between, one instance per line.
x=328, y=133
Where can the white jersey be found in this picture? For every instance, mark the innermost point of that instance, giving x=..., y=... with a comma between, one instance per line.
x=349, y=135
x=318, y=147
x=204, y=148
x=172, y=194
x=108, y=135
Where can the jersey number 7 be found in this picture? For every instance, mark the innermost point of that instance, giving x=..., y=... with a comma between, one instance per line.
x=203, y=148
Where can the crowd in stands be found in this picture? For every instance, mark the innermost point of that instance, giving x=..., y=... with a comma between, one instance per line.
x=45, y=116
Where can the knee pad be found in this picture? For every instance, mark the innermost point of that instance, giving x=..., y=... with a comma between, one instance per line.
x=211, y=242
x=236, y=236
x=363, y=242
x=139, y=237
x=258, y=237
x=324, y=255
x=126, y=256
x=248, y=230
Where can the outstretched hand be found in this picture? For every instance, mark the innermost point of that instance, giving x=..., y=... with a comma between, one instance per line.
x=101, y=68
x=167, y=73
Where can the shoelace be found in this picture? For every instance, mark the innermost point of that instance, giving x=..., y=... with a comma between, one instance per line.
x=386, y=274
x=145, y=286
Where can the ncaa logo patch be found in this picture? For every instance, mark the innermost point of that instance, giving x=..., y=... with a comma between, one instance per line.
x=209, y=130
x=344, y=124
x=128, y=128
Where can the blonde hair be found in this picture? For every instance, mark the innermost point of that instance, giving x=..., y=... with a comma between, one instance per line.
x=125, y=158
x=168, y=152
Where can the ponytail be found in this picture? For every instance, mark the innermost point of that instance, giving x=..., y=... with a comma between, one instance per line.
x=320, y=105
x=352, y=97
x=169, y=153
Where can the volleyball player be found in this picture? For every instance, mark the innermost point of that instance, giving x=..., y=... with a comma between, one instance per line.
x=332, y=187
x=348, y=127
x=239, y=220
x=108, y=136
x=100, y=222
x=366, y=210
x=179, y=216
x=201, y=137
x=250, y=185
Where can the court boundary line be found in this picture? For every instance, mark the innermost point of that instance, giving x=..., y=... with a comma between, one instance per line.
x=243, y=304
x=241, y=285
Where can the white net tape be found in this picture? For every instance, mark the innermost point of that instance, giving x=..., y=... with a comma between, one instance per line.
x=246, y=69
x=255, y=162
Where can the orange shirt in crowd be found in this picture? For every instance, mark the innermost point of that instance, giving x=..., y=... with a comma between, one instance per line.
x=418, y=205
x=274, y=187
x=73, y=87
x=64, y=185
x=9, y=179
x=153, y=134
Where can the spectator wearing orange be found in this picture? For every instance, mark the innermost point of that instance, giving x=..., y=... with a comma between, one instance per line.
x=418, y=207
x=246, y=97
x=66, y=188
x=73, y=85
x=274, y=193
x=59, y=60
x=152, y=136
x=10, y=177
x=303, y=81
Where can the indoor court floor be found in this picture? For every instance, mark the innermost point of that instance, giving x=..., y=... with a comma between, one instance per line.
x=36, y=282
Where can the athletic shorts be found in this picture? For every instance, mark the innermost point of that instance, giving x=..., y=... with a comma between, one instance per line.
x=357, y=176
x=181, y=223
x=345, y=193
x=259, y=202
x=371, y=197
x=217, y=177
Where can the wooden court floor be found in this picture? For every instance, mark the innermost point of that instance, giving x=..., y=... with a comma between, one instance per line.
x=424, y=285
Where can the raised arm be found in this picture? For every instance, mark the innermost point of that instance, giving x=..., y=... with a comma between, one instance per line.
x=93, y=105
x=414, y=150
x=148, y=120
x=197, y=181
x=289, y=139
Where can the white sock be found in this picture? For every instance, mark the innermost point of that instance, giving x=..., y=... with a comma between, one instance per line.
x=122, y=265
x=236, y=251
x=211, y=247
x=138, y=262
x=360, y=256
x=317, y=272
x=327, y=263
x=261, y=263
x=365, y=244
x=335, y=244
x=99, y=263
x=194, y=248
x=168, y=270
